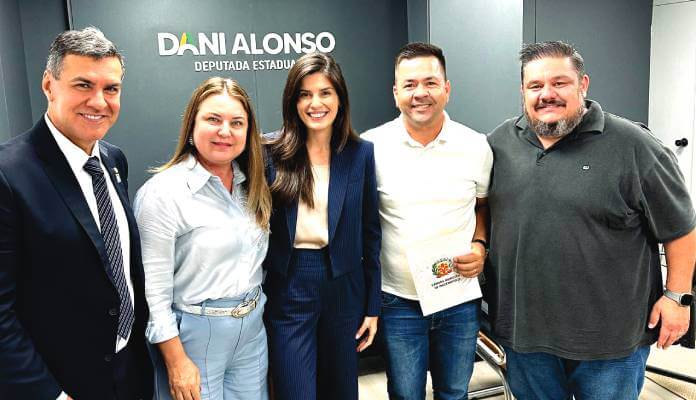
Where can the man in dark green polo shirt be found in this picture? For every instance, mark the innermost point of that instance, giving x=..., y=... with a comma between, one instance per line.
x=579, y=201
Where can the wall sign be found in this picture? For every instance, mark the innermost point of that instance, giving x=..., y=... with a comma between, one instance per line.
x=220, y=44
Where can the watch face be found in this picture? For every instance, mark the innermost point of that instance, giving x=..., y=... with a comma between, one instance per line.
x=686, y=299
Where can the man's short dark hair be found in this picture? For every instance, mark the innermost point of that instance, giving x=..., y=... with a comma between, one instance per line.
x=88, y=42
x=419, y=49
x=551, y=49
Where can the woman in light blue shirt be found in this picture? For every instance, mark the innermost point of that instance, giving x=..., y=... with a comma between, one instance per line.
x=203, y=222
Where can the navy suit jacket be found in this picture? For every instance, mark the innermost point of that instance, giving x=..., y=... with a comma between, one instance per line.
x=58, y=307
x=353, y=210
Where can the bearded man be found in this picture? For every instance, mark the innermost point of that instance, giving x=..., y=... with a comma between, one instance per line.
x=579, y=201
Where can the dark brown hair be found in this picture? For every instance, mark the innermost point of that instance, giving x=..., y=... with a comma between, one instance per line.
x=419, y=49
x=553, y=49
x=250, y=160
x=294, y=180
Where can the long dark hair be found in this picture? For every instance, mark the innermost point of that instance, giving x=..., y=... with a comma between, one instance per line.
x=294, y=180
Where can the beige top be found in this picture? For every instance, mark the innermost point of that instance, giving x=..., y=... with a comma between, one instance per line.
x=312, y=231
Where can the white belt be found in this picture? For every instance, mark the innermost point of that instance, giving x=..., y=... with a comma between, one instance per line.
x=239, y=311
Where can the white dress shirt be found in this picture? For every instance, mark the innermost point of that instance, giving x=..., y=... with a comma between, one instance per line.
x=77, y=158
x=199, y=242
x=425, y=191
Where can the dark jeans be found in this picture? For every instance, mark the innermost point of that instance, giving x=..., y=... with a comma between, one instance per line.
x=445, y=341
x=543, y=376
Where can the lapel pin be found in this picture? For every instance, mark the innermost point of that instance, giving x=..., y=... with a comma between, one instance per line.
x=118, y=177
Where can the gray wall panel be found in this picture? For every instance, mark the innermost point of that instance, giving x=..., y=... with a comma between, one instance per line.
x=14, y=106
x=614, y=38
x=156, y=88
x=42, y=21
x=4, y=118
x=418, y=19
x=528, y=21
x=480, y=39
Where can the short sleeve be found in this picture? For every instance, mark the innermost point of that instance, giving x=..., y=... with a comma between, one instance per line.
x=484, y=177
x=665, y=200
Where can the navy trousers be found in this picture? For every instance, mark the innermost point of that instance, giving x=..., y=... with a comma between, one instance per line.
x=126, y=368
x=311, y=321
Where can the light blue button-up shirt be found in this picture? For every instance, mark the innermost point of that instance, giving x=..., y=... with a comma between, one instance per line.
x=199, y=242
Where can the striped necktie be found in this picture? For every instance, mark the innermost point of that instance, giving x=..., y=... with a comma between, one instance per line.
x=110, y=233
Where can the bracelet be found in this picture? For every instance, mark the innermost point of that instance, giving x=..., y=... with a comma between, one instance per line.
x=483, y=242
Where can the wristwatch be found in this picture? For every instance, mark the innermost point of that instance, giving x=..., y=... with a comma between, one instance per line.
x=683, y=299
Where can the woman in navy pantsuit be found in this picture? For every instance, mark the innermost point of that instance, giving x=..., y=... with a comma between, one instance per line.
x=323, y=282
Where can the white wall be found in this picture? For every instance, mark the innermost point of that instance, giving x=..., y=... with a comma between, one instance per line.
x=672, y=106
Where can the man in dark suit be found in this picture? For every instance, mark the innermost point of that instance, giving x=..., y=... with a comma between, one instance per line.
x=72, y=309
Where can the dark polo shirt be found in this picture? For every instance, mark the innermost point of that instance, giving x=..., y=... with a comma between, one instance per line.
x=574, y=263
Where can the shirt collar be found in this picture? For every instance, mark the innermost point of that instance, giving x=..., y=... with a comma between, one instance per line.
x=76, y=156
x=198, y=176
x=441, y=138
x=593, y=120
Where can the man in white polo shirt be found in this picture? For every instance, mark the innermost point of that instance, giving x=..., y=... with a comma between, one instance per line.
x=432, y=177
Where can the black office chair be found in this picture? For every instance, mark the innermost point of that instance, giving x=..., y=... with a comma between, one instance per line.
x=493, y=355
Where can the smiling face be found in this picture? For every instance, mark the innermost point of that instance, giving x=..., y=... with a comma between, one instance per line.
x=421, y=92
x=553, y=95
x=317, y=103
x=220, y=131
x=85, y=101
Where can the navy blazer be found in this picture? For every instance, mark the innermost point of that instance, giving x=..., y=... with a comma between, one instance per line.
x=353, y=210
x=58, y=307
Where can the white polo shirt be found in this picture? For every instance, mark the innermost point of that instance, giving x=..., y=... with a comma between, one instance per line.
x=425, y=191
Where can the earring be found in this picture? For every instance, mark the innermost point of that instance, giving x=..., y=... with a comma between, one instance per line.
x=191, y=140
